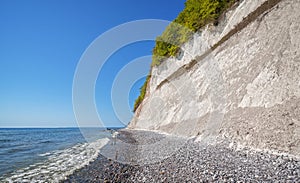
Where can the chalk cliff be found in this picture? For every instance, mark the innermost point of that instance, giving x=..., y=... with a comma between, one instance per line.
x=239, y=80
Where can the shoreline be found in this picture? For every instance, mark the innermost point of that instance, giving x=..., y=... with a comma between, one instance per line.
x=104, y=169
x=191, y=161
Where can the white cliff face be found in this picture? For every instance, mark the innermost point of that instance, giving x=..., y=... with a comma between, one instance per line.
x=203, y=40
x=247, y=89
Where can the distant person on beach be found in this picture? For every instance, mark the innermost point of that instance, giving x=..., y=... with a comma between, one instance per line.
x=114, y=137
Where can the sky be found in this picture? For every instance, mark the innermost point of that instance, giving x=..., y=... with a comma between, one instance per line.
x=41, y=43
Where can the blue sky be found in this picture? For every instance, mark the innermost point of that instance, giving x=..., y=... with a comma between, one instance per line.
x=41, y=42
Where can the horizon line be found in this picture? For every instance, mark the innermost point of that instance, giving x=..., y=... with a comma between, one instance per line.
x=60, y=127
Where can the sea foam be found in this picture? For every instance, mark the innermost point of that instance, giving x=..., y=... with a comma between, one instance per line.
x=59, y=164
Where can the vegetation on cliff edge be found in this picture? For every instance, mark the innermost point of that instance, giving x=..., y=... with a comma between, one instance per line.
x=196, y=14
x=143, y=89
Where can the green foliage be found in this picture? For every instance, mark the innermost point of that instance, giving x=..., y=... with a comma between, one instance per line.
x=143, y=89
x=196, y=14
x=167, y=44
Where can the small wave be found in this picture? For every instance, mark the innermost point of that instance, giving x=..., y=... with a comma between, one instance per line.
x=59, y=164
x=45, y=142
x=18, y=148
x=45, y=154
x=5, y=140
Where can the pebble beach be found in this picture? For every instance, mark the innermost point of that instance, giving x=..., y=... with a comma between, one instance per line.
x=145, y=156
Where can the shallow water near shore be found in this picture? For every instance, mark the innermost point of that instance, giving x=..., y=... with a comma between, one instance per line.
x=36, y=154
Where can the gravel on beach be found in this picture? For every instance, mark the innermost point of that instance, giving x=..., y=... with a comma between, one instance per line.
x=140, y=156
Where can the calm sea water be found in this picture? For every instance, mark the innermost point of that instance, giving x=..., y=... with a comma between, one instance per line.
x=37, y=155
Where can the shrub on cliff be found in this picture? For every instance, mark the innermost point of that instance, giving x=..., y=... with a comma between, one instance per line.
x=143, y=89
x=196, y=14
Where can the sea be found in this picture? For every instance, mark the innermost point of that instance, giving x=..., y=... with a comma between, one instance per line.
x=47, y=154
